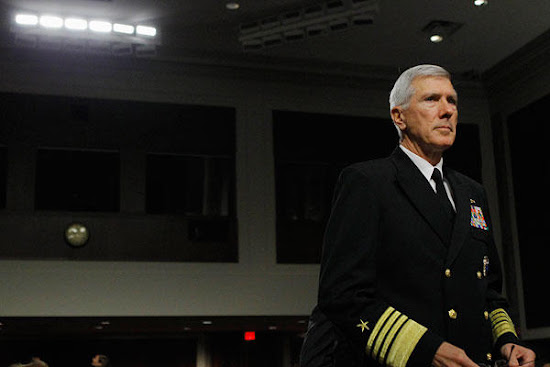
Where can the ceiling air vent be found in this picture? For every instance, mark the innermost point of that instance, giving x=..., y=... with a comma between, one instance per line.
x=308, y=22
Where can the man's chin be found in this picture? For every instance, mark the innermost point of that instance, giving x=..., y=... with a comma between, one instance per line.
x=445, y=142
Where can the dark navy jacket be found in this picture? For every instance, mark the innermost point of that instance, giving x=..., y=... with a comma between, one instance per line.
x=399, y=277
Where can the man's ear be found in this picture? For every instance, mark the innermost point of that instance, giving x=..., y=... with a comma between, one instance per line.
x=398, y=118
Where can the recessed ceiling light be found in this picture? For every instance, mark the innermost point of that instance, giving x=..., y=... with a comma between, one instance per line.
x=146, y=31
x=481, y=2
x=26, y=19
x=207, y=322
x=232, y=5
x=436, y=38
x=76, y=24
x=49, y=21
x=439, y=30
x=123, y=28
x=100, y=26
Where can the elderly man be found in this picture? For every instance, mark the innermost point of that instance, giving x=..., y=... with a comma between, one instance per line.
x=410, y=275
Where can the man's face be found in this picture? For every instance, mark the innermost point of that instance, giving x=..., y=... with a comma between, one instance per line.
x=429, y=123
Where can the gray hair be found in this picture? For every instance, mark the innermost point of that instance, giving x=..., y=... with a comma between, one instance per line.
x=403, y=90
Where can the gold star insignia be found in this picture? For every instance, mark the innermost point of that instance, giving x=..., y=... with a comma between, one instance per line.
x=363, y=325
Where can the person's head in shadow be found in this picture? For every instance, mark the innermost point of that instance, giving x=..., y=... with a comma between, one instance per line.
x=100, y=360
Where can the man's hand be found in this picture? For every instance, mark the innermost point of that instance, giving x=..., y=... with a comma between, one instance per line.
x=448, y=355
x=518, y=355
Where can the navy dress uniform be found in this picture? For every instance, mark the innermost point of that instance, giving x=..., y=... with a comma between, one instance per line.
x=399, y=276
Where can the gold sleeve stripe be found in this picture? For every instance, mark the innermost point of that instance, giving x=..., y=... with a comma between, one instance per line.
x=391, y=336
x=374, y=335
x=501, y=323
x=394, y=338
x=381, y=347
x=404, y=344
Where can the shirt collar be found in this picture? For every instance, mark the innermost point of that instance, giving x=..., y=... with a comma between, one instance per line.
x=423, y=165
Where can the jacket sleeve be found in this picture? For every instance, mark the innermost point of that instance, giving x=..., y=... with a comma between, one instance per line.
x=347, y=288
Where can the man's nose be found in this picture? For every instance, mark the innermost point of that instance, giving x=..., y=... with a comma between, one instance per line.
x=446, y=108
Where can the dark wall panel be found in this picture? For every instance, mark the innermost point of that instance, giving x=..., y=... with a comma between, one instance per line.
x=527, y=129
x=310, y=151
x=151, y=181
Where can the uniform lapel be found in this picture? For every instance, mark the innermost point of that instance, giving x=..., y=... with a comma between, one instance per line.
x=462, y=219
x=418, y=190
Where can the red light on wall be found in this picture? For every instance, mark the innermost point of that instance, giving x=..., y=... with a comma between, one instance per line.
x=249, y=335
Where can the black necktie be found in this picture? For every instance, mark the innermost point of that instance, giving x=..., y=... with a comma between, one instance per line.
x=442, y=194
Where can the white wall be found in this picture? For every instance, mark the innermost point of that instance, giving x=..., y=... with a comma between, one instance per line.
x=254, y=286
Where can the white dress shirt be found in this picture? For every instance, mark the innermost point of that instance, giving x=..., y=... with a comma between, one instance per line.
x=427, y=170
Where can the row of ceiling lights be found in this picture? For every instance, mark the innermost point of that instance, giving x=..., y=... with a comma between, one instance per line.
x=81, y=24
x=100, y=26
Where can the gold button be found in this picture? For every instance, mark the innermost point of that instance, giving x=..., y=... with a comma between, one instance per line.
x=448, y=273
x=479, y=275
x=453, y=314
x=486, y=314
x=489, y=357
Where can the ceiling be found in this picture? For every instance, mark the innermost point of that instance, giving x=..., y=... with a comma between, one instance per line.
x=205, y=29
